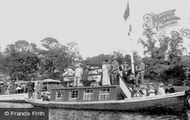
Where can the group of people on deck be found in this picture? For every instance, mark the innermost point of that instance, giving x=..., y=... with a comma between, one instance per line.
x=150, y=90
x=110, y=71
x=109, y=74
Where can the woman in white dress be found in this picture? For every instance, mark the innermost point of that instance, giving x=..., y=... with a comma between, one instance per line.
x=105, y=72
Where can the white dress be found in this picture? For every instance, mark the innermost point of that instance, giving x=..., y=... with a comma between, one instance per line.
x=161, y=91
x=105, y=76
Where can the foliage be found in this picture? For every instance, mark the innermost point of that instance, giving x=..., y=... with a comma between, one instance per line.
x=175, y=75
x=163, y=59
x=22, y=60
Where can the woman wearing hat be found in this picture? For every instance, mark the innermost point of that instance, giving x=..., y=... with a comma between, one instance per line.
x=105, y=73
x=151, y=91
x=161, y=90
x=144, y=90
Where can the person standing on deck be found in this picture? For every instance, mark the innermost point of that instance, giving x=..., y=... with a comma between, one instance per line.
x=38, y=89
x=105, y=73
x=115, y=71
x=30, y=88
x=78, y=75
x=141, y=71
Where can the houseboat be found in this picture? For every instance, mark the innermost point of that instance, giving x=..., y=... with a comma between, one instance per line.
x=114, y=97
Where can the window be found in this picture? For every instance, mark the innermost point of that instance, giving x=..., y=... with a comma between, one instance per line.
x=87, y=96
x=104, y=94
x=73, y=95
x=59, y=95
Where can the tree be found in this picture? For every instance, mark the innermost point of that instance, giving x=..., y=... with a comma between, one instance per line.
x=20, y=60
x=157, y=61
x=56, y=57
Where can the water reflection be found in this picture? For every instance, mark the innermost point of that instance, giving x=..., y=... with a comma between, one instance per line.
x=62, y=114
x=68, y=114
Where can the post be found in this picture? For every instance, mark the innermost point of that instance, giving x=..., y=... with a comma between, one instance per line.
x=132, y=58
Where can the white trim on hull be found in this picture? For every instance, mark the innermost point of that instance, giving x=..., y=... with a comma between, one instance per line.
x=170, y=101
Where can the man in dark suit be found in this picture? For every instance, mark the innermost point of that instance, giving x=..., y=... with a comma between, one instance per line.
x=30, y=88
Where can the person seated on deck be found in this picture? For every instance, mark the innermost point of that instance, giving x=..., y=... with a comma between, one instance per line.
x=170, y=89
x=161, y=90
x=18, y=89
x=45, y=96
x=137, y=91
x=144, y=90
x=94, y=83
x=151, y=91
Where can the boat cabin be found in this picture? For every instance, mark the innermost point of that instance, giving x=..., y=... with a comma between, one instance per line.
x=78, y=94
x=50, y=84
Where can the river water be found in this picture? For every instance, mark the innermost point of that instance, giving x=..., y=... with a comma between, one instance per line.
x=66, y=114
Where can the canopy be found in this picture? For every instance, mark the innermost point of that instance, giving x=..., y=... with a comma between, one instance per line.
x=20, y=82
x=50, y=80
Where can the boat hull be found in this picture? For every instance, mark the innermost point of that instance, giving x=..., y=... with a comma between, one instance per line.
x=171, y=102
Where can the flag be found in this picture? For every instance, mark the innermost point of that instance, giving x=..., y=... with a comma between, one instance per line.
x=130, y=30
x=126, y=13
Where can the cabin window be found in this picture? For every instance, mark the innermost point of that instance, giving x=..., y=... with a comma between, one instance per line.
x=73, y=95
x=87, y=96
x=104, y=94
x=59, y=95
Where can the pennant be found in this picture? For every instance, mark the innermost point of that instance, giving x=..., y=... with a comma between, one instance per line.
x=130, y=30
x=126, y=13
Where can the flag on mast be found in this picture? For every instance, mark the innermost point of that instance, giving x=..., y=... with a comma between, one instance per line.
x=126, y=13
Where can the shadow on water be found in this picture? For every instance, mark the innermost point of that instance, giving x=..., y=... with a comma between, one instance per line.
x=69, y=114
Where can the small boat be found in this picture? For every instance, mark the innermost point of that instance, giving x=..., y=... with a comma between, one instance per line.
x=15, y=98
x=109, y=98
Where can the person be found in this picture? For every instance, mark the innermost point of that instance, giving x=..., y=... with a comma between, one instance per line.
x=115, y=71
x=151, y=91
x=125, y=71
x=38, y=89
x=141, y=70
x=7, y=90
x=78, y=75
x=144, y=90
x=18, y=89
x=68, y=75
x=105, y=73
x=137, y=91
x=23, y=87
x=186, y=100
x=30, y=88
x=161, y=90
x=170, y=89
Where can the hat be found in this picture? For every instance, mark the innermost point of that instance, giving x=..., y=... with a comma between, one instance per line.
x=150, y=83
x=143, y=86
x=169, y=84
x=114, y=57
x=161, y=84
x=151, y=91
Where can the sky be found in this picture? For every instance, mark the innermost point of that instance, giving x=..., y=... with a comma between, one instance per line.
x=97, y=26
